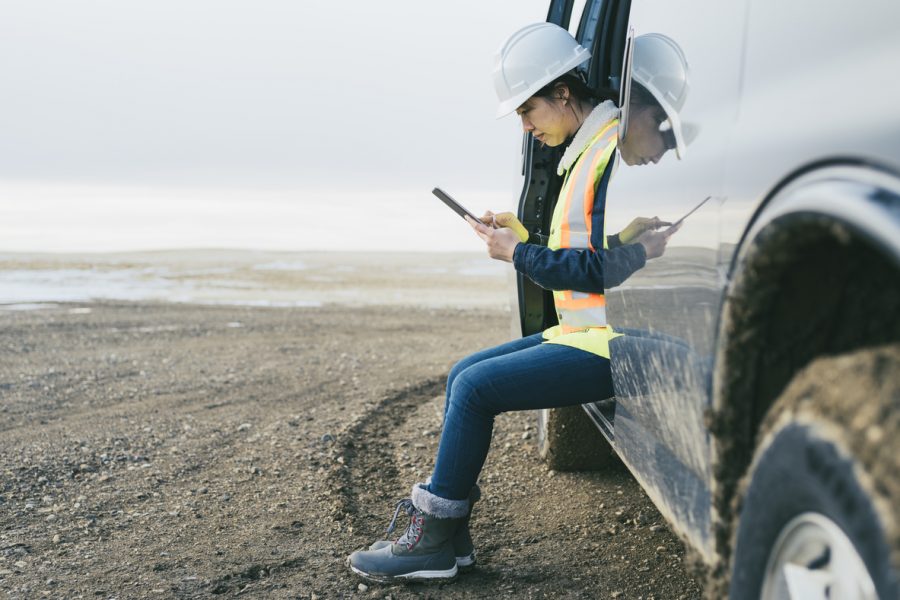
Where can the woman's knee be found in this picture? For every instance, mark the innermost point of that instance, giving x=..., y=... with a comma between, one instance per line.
x=471, y=392
x=458, y=368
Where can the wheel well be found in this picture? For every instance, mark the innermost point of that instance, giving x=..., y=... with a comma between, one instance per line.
x=810, y=286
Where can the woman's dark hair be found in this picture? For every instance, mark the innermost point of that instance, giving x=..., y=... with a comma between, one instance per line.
x=641, y=96
x=578, y=88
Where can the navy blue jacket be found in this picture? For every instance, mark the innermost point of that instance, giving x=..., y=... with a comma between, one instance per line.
x=579, y=269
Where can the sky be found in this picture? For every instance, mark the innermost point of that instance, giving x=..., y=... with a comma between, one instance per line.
x=270, y=124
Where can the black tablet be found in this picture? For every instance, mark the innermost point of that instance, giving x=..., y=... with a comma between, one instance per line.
x=453, y=204
x=690, y=212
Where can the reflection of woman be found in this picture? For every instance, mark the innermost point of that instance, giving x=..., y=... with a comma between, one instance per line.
x=567, y=364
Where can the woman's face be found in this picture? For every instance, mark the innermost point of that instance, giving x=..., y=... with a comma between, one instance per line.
x=644, y=142
x=546, y=120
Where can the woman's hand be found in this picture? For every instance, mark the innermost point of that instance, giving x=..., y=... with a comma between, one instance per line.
x=501, y=243
x=638, y=226
x=488, y=218
x=654, y=242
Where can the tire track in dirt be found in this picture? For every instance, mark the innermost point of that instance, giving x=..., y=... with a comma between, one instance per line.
x=227, y=583
x=365, y=450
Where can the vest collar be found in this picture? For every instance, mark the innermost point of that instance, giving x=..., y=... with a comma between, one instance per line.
x=602, y=114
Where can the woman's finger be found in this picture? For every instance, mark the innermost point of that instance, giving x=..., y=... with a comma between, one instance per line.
x=672, y=230
x=488, y=218
x=483, y=231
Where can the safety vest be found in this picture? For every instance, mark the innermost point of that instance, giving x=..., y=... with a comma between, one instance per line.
x=582, y=316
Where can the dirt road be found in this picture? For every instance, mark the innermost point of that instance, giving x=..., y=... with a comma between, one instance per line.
x=178, y=451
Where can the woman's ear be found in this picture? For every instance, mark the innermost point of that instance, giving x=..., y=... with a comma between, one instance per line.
x=562, y=92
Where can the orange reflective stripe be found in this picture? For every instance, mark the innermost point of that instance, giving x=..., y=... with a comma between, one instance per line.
x=588, y=202
x=574, y=217
x=572, y=296
x=592, y=301
x=571, y=228
x=564, y=241
x=601, y=162
x=595, y=158
x=607, y=130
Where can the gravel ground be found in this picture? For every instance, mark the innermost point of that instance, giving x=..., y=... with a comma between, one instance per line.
x=179, y=451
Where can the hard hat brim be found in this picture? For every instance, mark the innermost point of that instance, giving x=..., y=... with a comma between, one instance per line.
x=675, y=120
x=678, y=132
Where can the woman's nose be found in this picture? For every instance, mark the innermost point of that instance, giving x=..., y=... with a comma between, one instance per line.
x=526, y=125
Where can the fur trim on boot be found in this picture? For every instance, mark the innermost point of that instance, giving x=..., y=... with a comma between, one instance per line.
x=474, y=495
x=442, y=508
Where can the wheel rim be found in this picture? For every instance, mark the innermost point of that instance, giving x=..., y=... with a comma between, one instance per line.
x=813, y=558
x=543, y=417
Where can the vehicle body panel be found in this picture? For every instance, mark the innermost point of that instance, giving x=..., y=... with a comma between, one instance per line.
x=819, y=87
x=796, y=111
x=662, y=385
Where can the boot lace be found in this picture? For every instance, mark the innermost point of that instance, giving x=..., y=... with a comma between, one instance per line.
x=413, y=532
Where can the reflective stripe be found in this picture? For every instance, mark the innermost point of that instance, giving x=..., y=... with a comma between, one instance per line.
x=581, y=312
x=589, y=301
x=572, y=214
x=579, y=318
x=564, y=228
x=578, y=240
x=582, y=191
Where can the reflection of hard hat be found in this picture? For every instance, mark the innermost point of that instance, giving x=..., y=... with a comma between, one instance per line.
x=530, y=59
x=659, y=65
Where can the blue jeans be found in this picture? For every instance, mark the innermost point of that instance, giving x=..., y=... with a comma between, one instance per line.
x=523, y=374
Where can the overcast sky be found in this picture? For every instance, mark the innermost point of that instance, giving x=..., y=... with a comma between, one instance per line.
x=273, y=94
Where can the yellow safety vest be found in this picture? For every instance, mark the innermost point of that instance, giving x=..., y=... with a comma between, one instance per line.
x=582, y=316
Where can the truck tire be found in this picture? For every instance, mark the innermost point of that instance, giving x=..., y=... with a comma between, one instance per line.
x=569, y=441
x=818, y=512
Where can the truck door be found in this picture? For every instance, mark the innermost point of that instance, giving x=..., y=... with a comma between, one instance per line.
x=540, y=186
x=599, y=26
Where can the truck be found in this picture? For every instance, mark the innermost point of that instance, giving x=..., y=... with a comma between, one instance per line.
x=758, y=381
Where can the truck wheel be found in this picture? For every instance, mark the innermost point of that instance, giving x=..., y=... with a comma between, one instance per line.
x=819, y=508
x=569, y=441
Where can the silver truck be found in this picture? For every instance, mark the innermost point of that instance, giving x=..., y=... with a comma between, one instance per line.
x=758, y=386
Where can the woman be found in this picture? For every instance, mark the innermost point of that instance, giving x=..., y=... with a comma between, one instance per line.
x=568, y=364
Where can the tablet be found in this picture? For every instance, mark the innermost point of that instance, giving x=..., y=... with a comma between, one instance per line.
x=453, y=204
x=689, y=213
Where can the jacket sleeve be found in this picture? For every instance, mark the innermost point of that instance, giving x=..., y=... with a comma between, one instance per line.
x=580, y=270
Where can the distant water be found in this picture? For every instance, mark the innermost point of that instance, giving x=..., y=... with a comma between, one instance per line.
x=255, y=278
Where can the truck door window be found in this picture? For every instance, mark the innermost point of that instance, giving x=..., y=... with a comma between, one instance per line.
x=575, y=19
x=588, y=27
x=559, y=12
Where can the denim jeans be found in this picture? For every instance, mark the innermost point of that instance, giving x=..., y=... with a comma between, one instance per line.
x=523, y=374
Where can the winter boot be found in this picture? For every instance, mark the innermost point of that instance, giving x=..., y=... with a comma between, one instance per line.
x=425, y=551
x=463, y=547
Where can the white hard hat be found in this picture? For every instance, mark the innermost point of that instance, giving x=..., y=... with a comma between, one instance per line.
x=530, y=59
x=659, y=65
